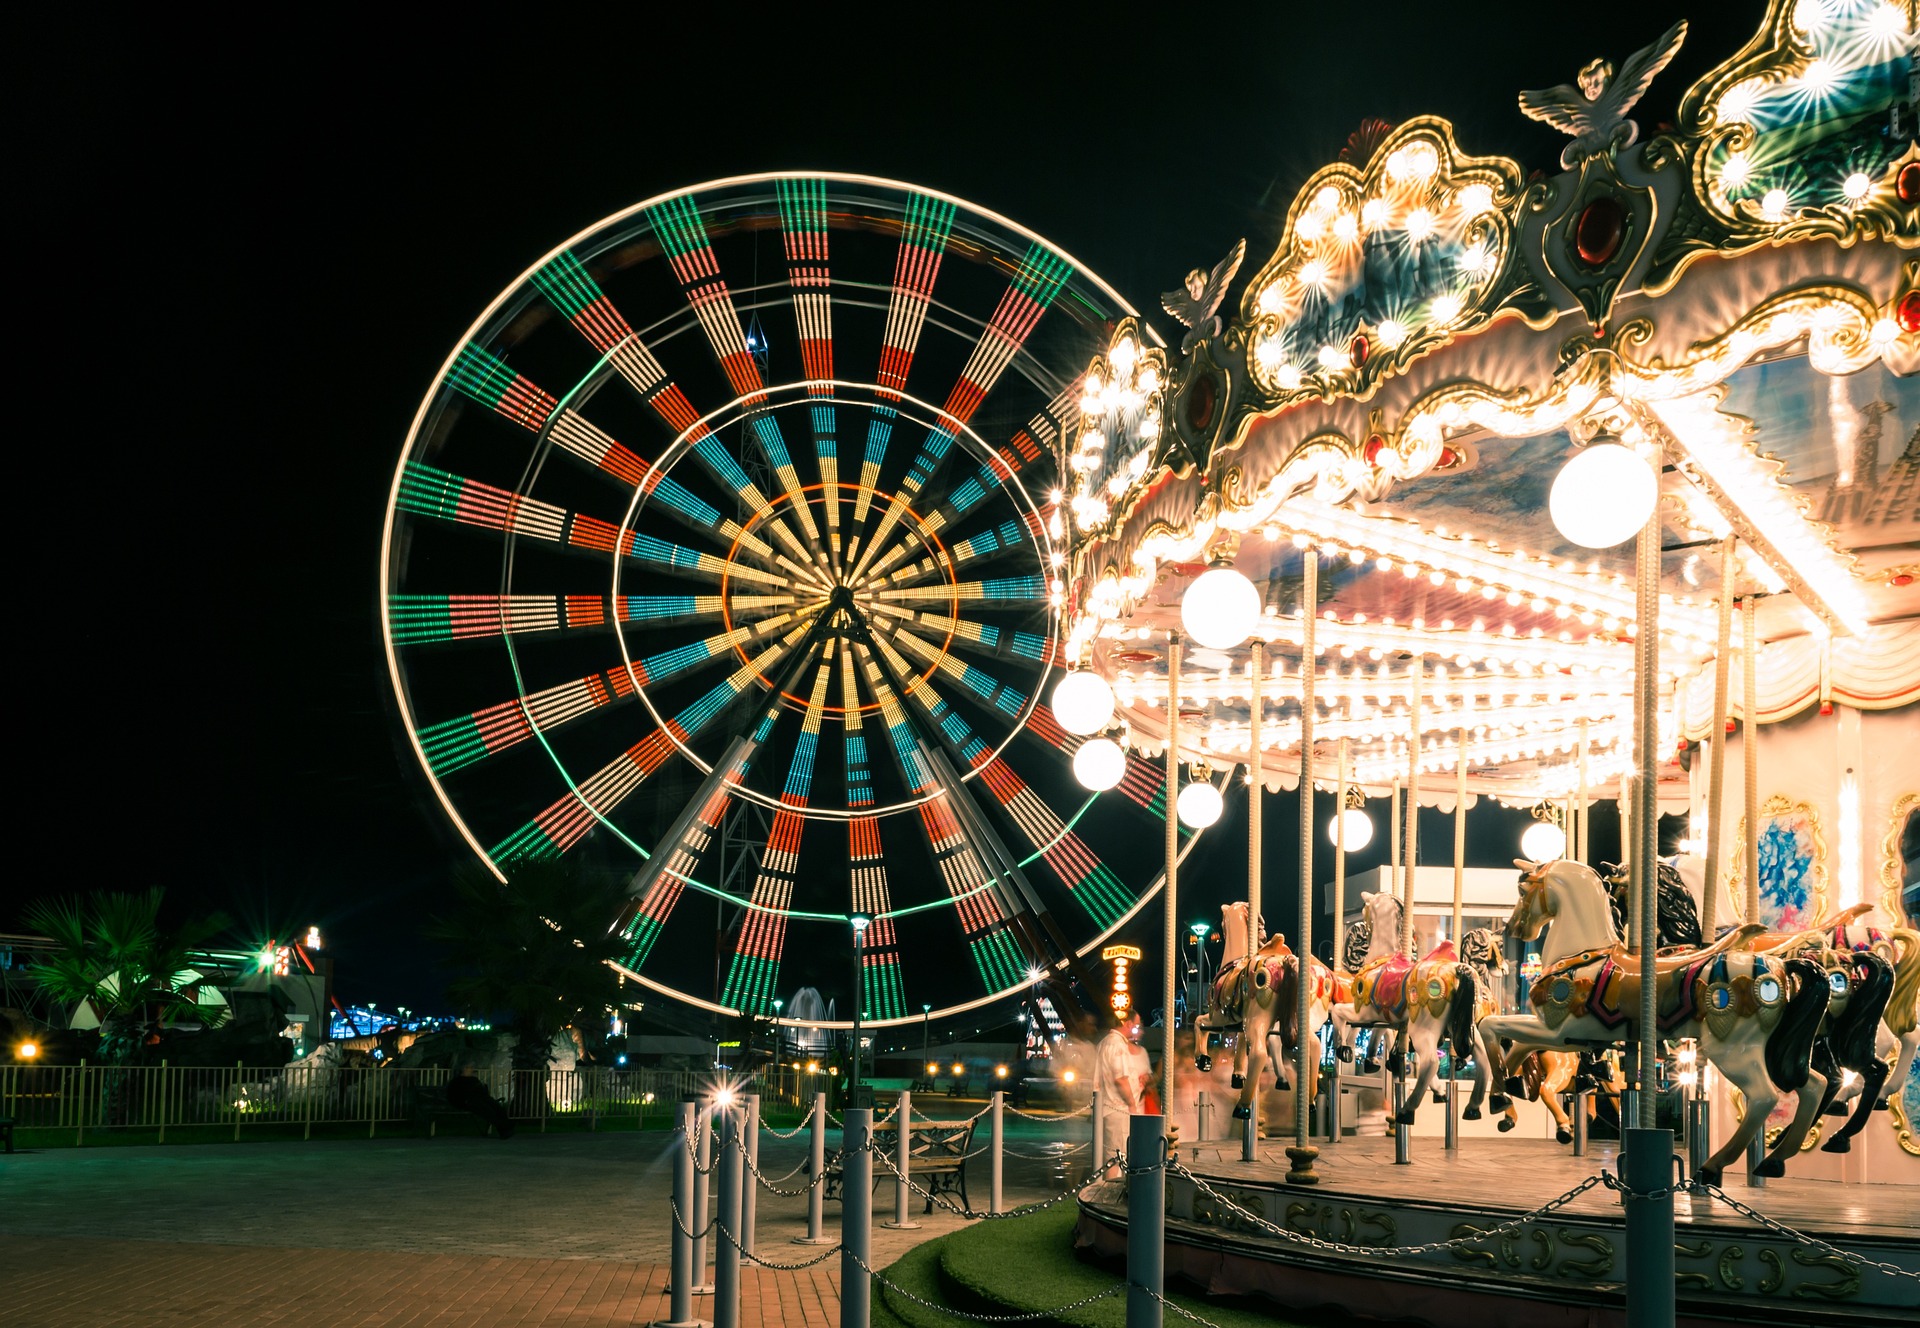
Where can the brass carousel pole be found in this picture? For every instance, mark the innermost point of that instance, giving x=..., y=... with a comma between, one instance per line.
x=1459, y=892
x=1302, y=1154
x=1646, y=1161
x=1339, y=916
x=1750, y=754
x=1403, y=1134
x=1580, y=843
x=1250, y=1138
x=1170, y=933
x=1717, y=757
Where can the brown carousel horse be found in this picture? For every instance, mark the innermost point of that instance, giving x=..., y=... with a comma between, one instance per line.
x=1755, y=1016
x=1261, y=1002
x=1544, y=1075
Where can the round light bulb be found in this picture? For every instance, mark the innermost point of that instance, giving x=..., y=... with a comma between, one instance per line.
x=1603, y=496
x=1200, y=805
x=1220, y=608
x=1083, y=702
x=1543, y=842
x=1354, y=825
x=1099, y=764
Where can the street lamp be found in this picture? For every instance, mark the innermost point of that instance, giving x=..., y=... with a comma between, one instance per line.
x=926, y=1035
x=860, y=923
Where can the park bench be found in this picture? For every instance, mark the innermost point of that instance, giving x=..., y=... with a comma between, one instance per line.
x=430, y=1107
x=962, y=1086
x=936, y=1158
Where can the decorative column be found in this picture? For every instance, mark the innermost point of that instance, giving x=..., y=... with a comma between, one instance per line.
x=1750, y=753
x=1302, y=1154
x=1250, y=1136
x=1717, y=757
x=1170, y=935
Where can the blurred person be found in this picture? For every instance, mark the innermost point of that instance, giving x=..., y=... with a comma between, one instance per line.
x=465, y=1092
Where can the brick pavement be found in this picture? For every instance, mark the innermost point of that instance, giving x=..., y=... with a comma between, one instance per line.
x=542, y=1229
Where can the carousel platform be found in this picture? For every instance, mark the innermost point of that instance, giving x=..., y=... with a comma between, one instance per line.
x=1565, y=1268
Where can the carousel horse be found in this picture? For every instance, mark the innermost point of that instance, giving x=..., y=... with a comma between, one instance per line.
x=1860, y=984
x=1899, y=1032
x=1544, y=1075
x=1861, y=979
x=1755, y=1016
x=1677, y=920
x=1261, y=1001
x=1421, y=1001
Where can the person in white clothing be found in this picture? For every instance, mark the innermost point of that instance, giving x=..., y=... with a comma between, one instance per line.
x=1119, y=1082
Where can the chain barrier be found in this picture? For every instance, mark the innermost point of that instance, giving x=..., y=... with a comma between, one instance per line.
x=774, y=1186
x=1042, y=1116
x=751, y=1257
x=961, y=1210
x=1714, y=1192
x=905, y=1294
x=796, y=1130
x=1509, y=1227
x=674, y=1204
x=1182, y=1310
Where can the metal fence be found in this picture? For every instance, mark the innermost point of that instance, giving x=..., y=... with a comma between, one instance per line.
x=84, y=1098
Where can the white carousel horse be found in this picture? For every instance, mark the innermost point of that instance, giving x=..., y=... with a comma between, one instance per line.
x=1755, y=1016
x=1261, y=1001
x=1421, y=1001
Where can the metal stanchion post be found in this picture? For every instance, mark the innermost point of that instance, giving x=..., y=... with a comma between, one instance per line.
x=1697, y=1149
x=750, y=1187
x=1333, y=1081
x=856, y=1218
x=816, y=1167
x=1146, y=1220
x=703, y=1171
x=997, y=1121
x=680, y=1284
x=726, y=1246
x=1099, y=1143
x=1756, y=1154
x=1402, y=1134
x=1202, y=1117
x=1580, y=1123
x=1646, y=1165
x=902, y=1193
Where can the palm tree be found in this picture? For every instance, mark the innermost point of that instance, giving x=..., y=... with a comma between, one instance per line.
x=534, y=952
x=113, y=954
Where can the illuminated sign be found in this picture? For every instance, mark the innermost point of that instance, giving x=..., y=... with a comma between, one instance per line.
x=1120, y=956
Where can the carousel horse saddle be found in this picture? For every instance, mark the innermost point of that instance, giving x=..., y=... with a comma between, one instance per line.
x=1229, y=991
x=1383, y=983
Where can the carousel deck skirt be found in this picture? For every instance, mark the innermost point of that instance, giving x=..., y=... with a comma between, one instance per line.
x=1564, y=1269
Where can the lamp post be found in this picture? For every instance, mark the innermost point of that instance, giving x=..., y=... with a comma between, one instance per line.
x=926, y=1038
x=860, y=923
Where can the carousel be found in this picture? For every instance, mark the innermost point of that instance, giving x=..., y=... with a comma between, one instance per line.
x=894, y=606
x=1600, y=488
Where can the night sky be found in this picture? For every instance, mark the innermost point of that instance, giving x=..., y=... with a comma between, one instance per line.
x=249, y=247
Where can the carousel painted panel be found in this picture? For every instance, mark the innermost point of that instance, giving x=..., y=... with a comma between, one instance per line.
x=1792, y=871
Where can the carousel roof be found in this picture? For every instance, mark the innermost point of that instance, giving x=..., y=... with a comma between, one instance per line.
x=1437, y=335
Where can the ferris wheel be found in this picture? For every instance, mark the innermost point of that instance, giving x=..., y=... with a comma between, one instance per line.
x=724, y=552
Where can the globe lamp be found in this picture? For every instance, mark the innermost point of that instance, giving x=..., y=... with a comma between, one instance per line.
x=1603, y=496
x=1220, y=608
x=1199, y=805
x=1099, y=764
x=1083, y=702
x=1352, y=825
x=1543, y=842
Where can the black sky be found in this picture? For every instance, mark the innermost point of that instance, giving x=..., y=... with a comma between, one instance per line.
x=245, y=246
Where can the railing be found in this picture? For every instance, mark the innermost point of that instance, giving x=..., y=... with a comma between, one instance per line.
x=83, y=1098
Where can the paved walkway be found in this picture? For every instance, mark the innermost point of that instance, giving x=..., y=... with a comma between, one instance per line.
x=540, y=1229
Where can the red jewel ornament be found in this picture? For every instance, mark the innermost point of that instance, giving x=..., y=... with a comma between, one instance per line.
x=1908, y=311
x=1903, y=579
x=1358, y=348
x=1826, y=707
x=1448, y=458
x=1597, y=235
x=1374, y=447
x=1909, y=185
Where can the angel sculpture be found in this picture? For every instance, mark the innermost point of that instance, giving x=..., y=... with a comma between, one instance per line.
x=1197, y=306
x=1595, y=112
